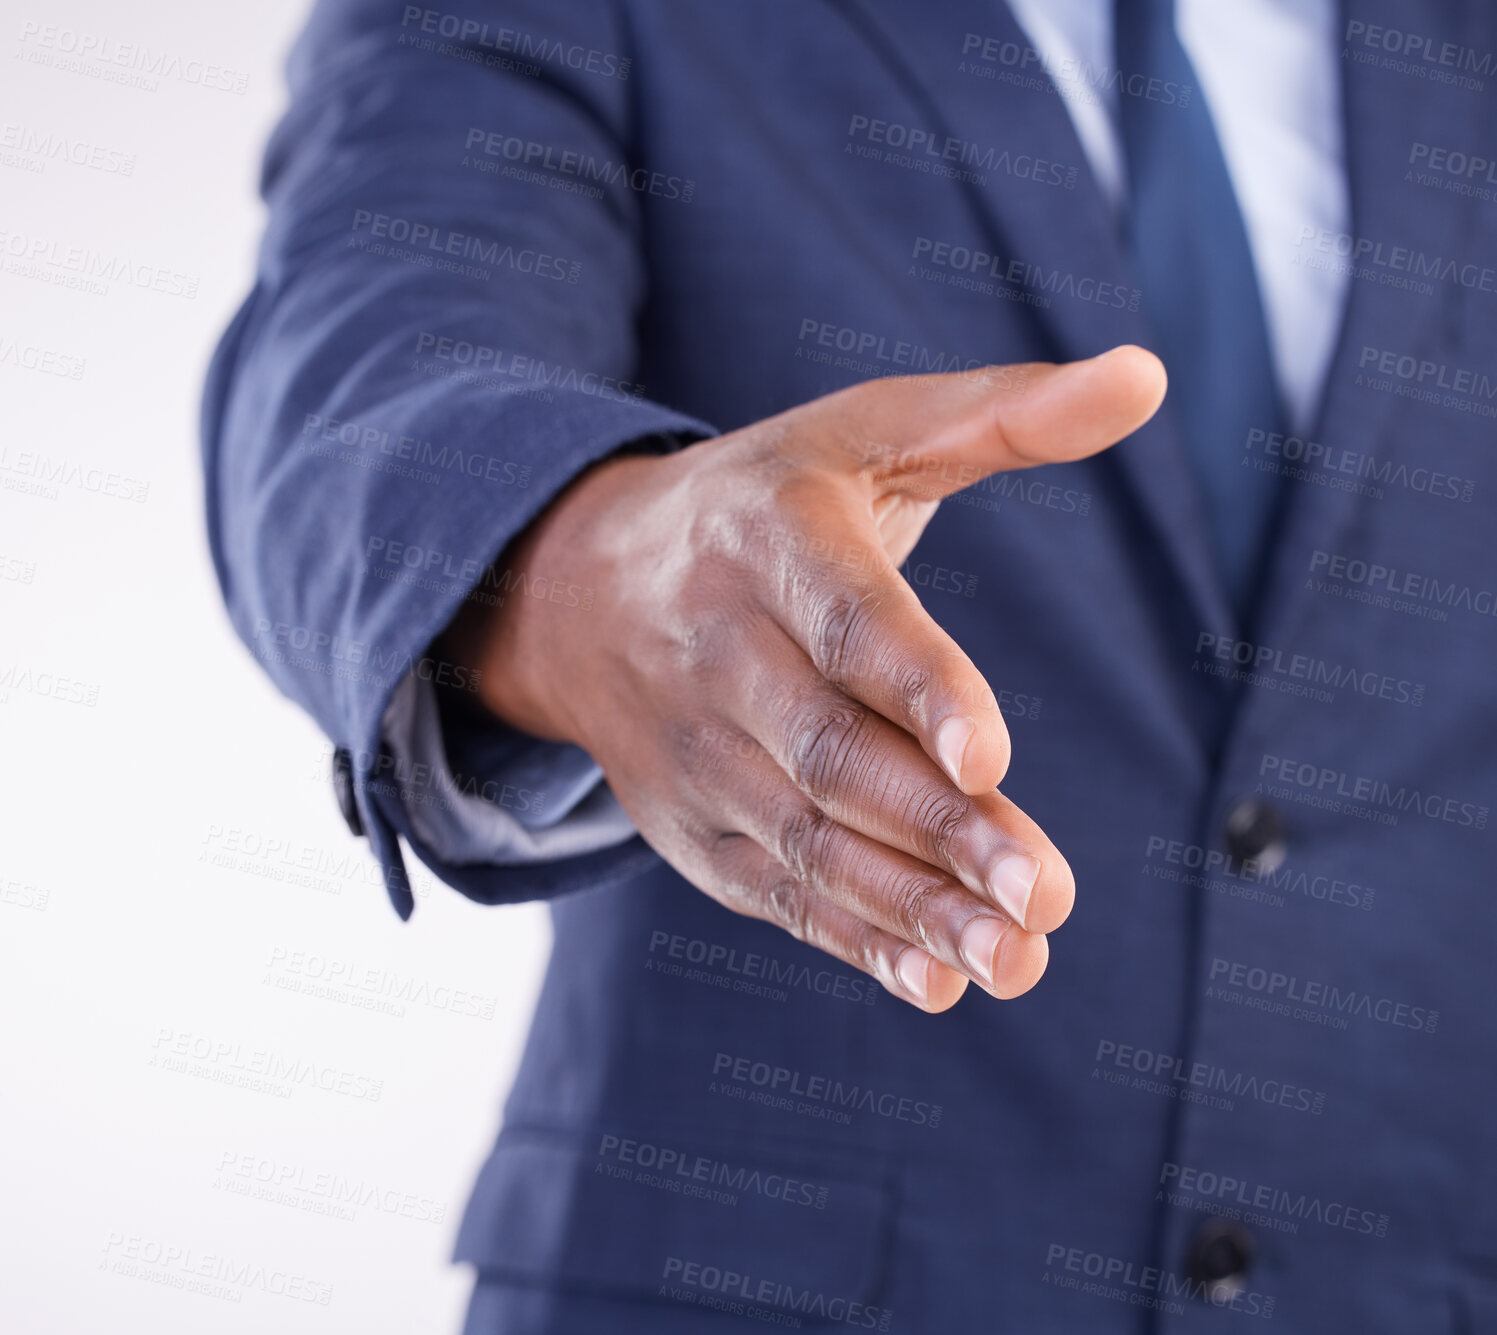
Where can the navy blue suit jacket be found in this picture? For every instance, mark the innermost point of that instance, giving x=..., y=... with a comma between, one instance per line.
x=709, y=1114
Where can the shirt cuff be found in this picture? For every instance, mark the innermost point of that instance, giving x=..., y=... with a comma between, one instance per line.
x=510, y=799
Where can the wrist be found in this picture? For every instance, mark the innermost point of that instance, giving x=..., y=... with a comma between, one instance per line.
x=526, y=628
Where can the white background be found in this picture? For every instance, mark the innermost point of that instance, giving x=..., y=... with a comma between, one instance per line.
x=122, y=942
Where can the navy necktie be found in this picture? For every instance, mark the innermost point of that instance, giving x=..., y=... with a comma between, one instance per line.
x=1190, y=250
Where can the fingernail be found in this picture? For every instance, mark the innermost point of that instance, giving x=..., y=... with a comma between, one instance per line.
x=910, y=968
x=979, y=946
x=1012, y=881
x=951, y=744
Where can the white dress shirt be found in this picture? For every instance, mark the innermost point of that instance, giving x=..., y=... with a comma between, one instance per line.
x=1270, y=71
x=1270, y=74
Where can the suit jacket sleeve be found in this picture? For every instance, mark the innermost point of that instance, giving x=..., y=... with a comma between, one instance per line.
x=436, y=344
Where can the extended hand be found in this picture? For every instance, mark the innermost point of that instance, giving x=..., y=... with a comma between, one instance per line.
x=768, y=699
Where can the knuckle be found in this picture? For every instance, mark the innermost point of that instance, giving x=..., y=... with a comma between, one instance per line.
x=773, y=445
x=703, y=644
x=837, y=626
x=686, y=746
x=698, y=750
x=861, y=945
x=788, y=487
x=913, y=683
x=869, y=952
x=802, y=840
x=789, y=906
x=698, y=832
x=704, y=753
x=773, y=520
x=939, y=817
x=912, y=899
x=821, y=742
x=730, y=880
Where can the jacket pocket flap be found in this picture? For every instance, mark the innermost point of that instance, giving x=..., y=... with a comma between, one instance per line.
x=768, y=1226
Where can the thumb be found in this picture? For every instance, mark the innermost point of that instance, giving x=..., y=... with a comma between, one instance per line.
x=1002, y=418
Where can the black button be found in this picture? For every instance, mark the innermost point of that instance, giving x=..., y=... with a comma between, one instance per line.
x=1220, y=1254
x=1255, y=833
x=343, y=790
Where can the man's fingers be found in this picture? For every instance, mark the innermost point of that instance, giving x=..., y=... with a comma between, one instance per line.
x=866, y=633
x=873, y=777
x=894, y=892
x=930, y=436
x=753, y=883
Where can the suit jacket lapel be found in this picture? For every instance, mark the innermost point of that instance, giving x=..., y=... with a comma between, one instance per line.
x=1061, y=231
x=1386, y=111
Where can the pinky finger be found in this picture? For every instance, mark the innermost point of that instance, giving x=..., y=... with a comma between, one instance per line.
x=754, y=884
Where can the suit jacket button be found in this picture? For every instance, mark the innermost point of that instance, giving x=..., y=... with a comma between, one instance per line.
x=1255, y=833
x=1220, y=1255
x=343, y=790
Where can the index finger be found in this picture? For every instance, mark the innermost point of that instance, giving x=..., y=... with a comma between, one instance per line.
x=867, y=634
